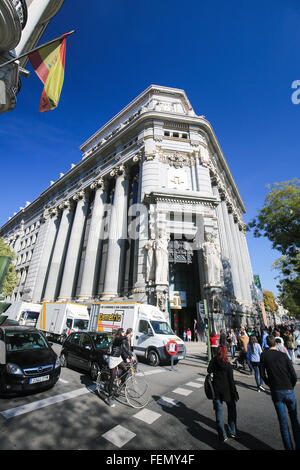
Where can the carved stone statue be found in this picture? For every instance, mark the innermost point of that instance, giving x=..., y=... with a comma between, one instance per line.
x=213, y=265
x=161, y=258
x=150, y=269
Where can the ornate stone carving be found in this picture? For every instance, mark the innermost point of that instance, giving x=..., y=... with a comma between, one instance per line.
x=99, y=183
x=118, y=171
x=212, y=257
x=177, y=159
x=161, y=258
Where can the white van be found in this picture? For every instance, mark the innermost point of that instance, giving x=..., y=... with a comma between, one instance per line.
x=151, y=330
x=26, y=313
x=59, y=319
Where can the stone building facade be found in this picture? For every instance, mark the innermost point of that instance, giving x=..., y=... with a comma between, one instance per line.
x=150, y=212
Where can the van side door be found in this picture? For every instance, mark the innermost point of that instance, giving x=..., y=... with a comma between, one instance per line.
x=142, y=338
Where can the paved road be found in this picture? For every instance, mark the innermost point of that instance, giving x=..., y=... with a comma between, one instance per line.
x=178, y=416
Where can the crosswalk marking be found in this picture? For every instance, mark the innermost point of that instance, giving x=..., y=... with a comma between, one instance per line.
x=182, y=391
x=119, y=436
x=36, y=405
x=166, y=401
x=147, y=416
x=194, y=384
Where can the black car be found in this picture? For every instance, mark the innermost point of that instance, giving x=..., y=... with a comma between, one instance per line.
x=27, y=361
x=85, y=351
x=4, y=321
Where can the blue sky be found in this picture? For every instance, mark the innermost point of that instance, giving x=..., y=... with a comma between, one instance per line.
x=236, y=60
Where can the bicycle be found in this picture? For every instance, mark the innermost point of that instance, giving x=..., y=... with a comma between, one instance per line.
x=134, y=388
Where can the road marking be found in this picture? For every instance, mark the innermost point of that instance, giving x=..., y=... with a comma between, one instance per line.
x=151, y=372
x=147, y=416
x=63, y=381
x=194, y=384
x=201, y=379
x=119, y=436
x=19, y=410
x=183, y=391
x=165, y=401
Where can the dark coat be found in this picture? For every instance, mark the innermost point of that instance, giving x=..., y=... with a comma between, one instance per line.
x=223, y=382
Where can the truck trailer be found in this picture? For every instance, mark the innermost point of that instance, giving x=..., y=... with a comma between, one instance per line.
x=151, y=330
x=26, y=313
x=58, y=319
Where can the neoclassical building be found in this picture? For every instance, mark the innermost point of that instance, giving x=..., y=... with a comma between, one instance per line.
x=150, y=213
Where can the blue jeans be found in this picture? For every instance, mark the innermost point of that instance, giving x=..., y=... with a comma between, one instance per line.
x=231, y=409
x=256, y=367
x=233, y=349
x=282, y=399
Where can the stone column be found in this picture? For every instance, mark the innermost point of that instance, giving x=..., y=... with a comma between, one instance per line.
x=245, y=266
x=73, y=256
x=117, y=234
x=241, y=274
x=232, y=254
x=59, y=251
x=45, y=242
x=94, y=242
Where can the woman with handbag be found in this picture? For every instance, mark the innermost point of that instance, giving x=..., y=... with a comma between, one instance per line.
x=224, y=390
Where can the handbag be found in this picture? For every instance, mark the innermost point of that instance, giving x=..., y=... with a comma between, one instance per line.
x=208, y=388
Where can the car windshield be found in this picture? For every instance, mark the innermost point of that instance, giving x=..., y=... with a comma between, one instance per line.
x=161, y=328
x=101, y=341
x=21, y=341
x=81, y=324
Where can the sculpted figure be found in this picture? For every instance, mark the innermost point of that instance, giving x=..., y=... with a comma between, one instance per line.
x=150, y=271
x=213, y=265
x=161, y=258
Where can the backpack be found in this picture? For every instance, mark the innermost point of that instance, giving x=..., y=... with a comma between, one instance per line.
x=208, y=388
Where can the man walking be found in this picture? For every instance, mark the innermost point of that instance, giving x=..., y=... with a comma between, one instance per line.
x=279, y=374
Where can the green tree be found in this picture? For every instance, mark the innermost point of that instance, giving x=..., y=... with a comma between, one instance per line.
x=269, y=301
x=11, y=279
x=279, y=221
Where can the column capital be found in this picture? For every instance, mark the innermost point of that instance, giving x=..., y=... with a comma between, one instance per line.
x=50, y=212
x=66, y=204
x=81, y=194
x=120, y=170
x=99, y=183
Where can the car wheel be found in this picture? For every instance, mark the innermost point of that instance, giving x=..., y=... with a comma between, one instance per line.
x=153, y=358
x=63, y=360
x=94, y=370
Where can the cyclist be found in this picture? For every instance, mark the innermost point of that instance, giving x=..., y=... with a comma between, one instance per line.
x=116, y=360
x=126, y=348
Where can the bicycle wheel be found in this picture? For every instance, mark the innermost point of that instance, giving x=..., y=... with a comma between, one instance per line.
x=137, y=391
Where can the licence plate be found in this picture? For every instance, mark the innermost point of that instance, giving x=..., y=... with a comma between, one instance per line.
x=180, y=357
x=35, y=380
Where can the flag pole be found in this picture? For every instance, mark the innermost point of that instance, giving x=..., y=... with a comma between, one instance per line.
x=36, y=49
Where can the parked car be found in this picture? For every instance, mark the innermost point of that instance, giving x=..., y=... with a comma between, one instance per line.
x=85, y=350
x=27, y=361
x=4, y=321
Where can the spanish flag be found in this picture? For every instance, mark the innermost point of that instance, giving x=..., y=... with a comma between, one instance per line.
x=49, y=64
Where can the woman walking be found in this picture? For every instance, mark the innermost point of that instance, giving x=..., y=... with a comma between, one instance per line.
x=225, y=390
x=213, y=337
x=253, y=357
x=233, y=343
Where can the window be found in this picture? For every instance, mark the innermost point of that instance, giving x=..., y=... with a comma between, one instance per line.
x=86, y=341
x=21, y=341
x=101, y=341
x=167, y=134
x=144, y=326
x=75, y=339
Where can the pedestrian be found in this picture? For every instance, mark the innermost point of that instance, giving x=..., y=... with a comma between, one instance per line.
x=222, y=338
x=289, y=343
x=242, y=358
x=225, y=390
x=232, y=343
x=281, y=347
x=279, y=374
x=253, y=356
x=189, y=334
x=196, y=330
x=213, y=337
x=264, y=343
x=184, y=336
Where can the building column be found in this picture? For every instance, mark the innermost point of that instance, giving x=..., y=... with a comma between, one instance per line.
x=59, y=251
x=48, y=233
x=95, y=238
x=117, y=234
x=73, y=256
x=241, y=274
x=232, y=255
x=244, y=265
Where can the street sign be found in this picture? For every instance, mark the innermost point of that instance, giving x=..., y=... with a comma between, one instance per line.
x=172, y=348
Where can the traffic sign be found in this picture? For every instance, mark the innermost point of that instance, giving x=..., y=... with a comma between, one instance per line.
x=172, y=348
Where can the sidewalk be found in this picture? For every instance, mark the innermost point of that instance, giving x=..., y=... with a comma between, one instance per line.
x=195, y=349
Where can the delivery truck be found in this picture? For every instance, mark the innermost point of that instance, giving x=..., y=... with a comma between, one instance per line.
x=58, y=319
x=151, y=330
x=26, y=313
